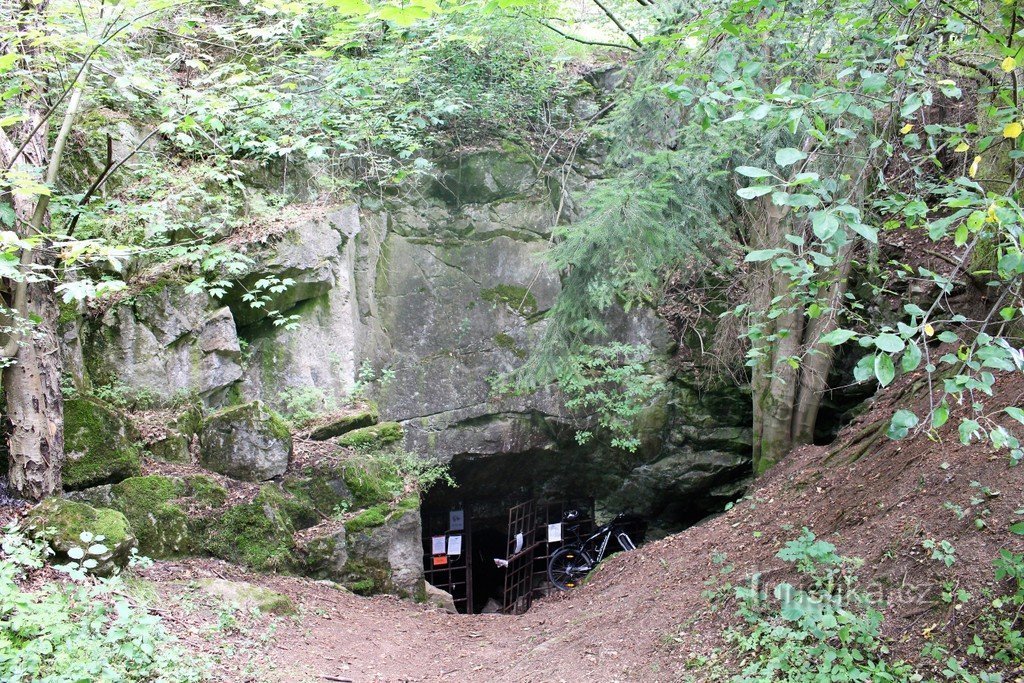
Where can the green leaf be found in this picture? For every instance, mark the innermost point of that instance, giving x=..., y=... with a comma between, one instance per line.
x=837, y=337
x=967, y=429
x=1017, y=528
x=753, y=192
x=763, y=255
x=8, y=60
x=911, y=358
x=787, y=156
x=960, y=236
x=754, y=172
x=1016, y=413
x=866, y=231
x=864, y=369
x=885, y=371
x=889, y=343
x=902, y=422
x=941, y=415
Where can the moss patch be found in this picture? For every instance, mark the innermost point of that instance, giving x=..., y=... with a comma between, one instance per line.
x=518, y=298
x=160, y=525
x=97, y=440
x=373, y=481
x=375, y=436
x=507, y=342
x=410, y=503
x=367, y=577
x=257, y=534
x=368, y=519
x=206, y=491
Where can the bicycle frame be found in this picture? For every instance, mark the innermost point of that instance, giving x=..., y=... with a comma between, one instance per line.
x=606, y=531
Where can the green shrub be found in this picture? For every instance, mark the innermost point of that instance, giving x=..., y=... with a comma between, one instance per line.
x=82, y=630
x=827, y=632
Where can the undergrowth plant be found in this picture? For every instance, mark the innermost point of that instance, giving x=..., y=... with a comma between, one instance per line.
x=827, y=631
x=80, y=630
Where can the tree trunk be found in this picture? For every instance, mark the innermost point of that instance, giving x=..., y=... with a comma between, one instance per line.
x=31, y=378
x=34, y=404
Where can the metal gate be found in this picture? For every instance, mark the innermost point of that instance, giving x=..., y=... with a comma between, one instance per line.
x=522, y=544
x=448, y=549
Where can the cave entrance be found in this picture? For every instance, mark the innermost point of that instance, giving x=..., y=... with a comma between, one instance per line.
x=494, y=564
x=487, y=540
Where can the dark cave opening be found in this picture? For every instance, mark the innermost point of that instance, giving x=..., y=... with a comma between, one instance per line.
x=474, y=517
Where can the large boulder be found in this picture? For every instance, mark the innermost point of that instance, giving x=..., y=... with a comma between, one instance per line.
x=249, y=442
x=99, y=444
x=386, y=557
x=258, y=534
x=63, y=522
x=160, y=524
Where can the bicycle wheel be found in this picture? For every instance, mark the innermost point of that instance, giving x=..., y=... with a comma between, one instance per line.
x=567, y=566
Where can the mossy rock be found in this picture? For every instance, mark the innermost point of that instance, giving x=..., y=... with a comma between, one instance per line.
x=375, y=436
x=206, y=491
x=99, y=445
x=160, y=524
x=373, y=481
x=256, y=534
x=171, y=448
x=346, y=423
x=325, y=556
x=367, y=577
x=243, y=595
x=368, y=519
x=323, y=487
x=249, y=442
x=68, y=519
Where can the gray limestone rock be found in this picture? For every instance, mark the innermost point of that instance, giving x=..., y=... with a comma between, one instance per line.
x=249, y=442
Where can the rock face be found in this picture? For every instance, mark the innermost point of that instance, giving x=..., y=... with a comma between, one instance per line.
x=165, y=343
x=248, y=442
x=433, y=291
x=389, y=555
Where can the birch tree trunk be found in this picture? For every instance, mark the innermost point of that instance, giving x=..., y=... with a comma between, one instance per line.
x=31, y=379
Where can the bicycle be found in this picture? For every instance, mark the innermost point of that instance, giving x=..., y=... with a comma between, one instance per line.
x=572, y=562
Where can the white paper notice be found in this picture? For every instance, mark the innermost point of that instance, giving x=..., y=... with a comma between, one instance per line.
x=455, y=546
x=456, y=520
x=437, y=545
x=519, y=544
x=554, y=533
